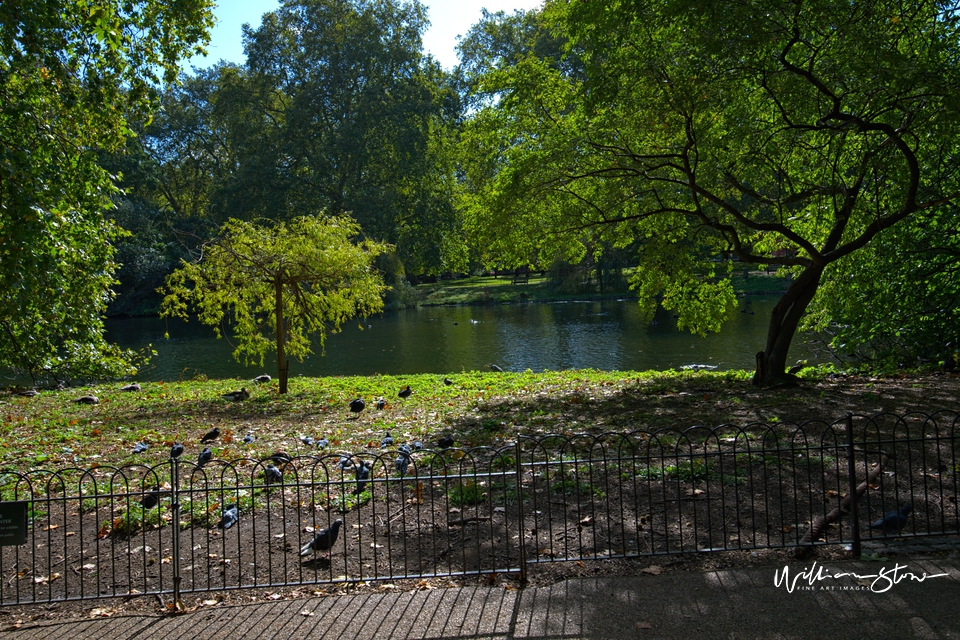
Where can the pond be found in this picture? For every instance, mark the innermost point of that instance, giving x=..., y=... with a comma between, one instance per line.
x=605, y=335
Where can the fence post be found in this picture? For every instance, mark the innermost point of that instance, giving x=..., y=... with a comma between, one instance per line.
x=520, y=516
x=852, y=473
x=175, y=507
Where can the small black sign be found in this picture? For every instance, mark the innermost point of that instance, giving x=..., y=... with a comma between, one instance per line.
x=13, y=523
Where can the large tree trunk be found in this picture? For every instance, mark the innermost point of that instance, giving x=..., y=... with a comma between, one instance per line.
x=772, y=361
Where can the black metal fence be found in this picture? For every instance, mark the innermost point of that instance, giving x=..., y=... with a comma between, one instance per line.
x=119, y=531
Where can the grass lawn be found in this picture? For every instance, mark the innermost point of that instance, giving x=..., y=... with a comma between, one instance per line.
x=500, y=290
x=478, y=409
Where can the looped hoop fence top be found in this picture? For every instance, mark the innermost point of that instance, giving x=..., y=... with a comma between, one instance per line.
x=463, y=512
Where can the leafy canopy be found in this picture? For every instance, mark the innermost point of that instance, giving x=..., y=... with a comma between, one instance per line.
x=72, y=75
x=311, y=266
x=780, y=133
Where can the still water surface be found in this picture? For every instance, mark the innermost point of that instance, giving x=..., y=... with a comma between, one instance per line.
x=571, y=335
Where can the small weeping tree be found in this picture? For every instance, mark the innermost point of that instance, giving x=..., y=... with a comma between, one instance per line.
x=279, y=284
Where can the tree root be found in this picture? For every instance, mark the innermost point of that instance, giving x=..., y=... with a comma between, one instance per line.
x=821, y=522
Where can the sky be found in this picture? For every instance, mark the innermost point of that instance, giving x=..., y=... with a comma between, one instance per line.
x=448, y=19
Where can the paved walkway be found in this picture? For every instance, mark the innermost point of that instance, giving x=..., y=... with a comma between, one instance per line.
x=741, y=603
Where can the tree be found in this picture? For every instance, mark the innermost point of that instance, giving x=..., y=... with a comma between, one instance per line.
x=352, y=118
x=281, y=281
x=789, y=134
x=904, y=300
x=72, y=75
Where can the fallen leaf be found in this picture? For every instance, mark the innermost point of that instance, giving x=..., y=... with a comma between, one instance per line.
x=644, y=625
x=653, y=570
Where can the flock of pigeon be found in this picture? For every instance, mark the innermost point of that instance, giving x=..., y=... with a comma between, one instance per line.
x=323, y=539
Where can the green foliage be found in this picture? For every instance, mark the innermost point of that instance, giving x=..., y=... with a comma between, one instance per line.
x=905, y=298
x=319, y=276
x=787, y=134
x=71, y=77
x=465, y=493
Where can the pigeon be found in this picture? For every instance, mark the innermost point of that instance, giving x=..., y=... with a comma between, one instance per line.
x=140, y=447
x=176, y=450
x=447, y=381
x=322, y=540
x=496, y=368
x=248, y=439
x=356, y=406
x=230, y=517
x=893, y=521
x=402, y=463
x=29, y=393
x=237, y=396
x=211, y=435
x=205, y=456
x=323, y=443
x=133, y=386
x=280, y=457
x=272, y=474
x=307, y=440
x=381, y=404
x=363, y=476
x=387, y=441
x=417, y=445
x=405, y=392
x=346, y=462
x=445, y=442
x=152, y=498
x=405, y=448
x=263, y=378
x=88, y=399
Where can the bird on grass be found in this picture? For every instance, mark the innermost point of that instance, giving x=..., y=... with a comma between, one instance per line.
x=271, y=474
x=280, y=457
x=133, y=386
x=237, y=396
x=405, y=392
x=87, y=399
x=381, y=404
x=402, y=463
x=363, y=476
x=893, y=521
x=445, y=442
x=140, y=447
x=387, y=441
x=248, y=439
x=176, y=450
x=205, y=456
x=322, y=540
x=29, y=393
x=230, y=516
x=447, y=381
x=307, y=440
x=211, y=435
x=322, y=443
x=345, y=462
x=263, y=378
x=417, y=445
x=152, y=497
x=356, y=406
